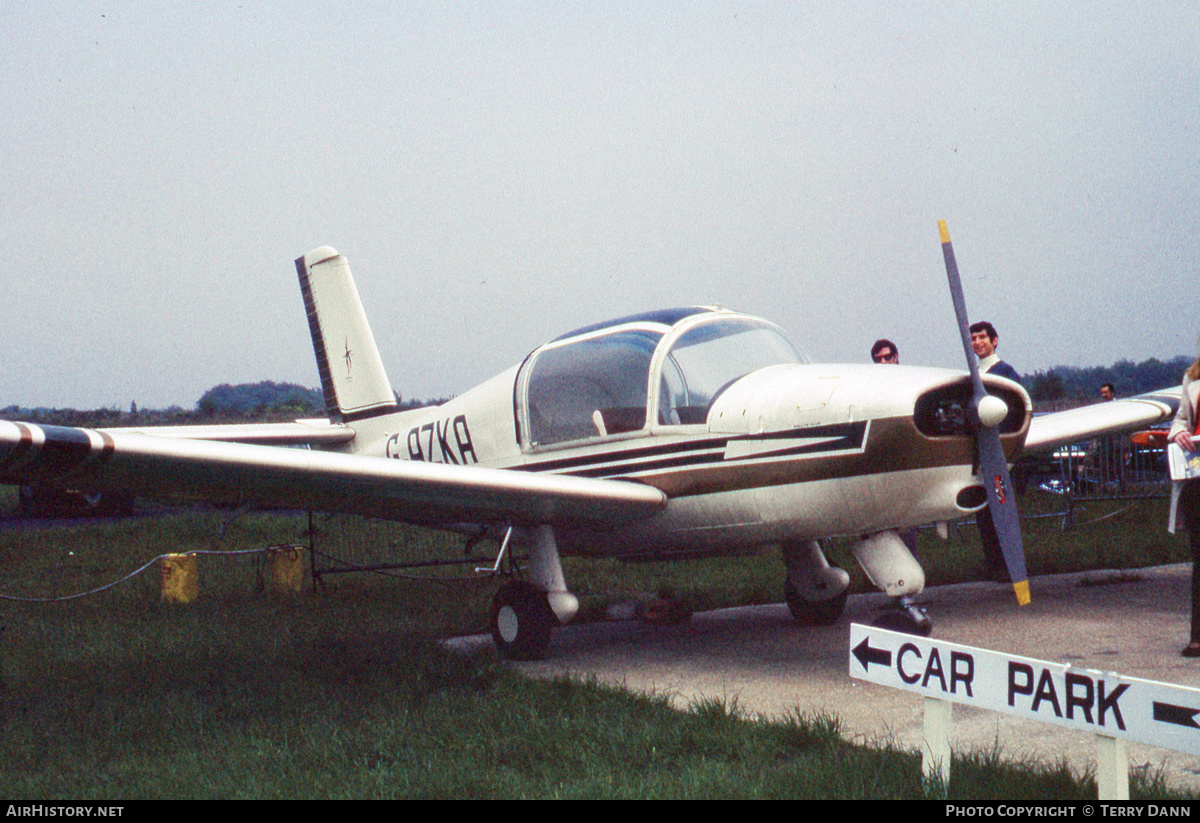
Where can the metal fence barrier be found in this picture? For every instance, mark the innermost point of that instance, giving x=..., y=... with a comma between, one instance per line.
x=1127, y=465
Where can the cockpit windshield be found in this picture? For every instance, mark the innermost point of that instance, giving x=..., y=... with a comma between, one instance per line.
x=709, y=357
x=597, y=382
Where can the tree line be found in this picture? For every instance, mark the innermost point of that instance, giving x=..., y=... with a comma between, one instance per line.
x=262, y=402
x=1061, y=383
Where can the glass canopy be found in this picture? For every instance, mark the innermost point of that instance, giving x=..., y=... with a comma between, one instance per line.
x=667, y=368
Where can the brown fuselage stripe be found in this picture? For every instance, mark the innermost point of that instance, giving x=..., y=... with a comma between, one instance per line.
x=893, y=444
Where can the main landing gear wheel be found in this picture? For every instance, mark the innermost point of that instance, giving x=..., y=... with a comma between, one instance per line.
x=521, y=621
x=814, y=612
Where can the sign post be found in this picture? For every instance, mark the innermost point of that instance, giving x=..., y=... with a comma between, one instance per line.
x=1113, y=707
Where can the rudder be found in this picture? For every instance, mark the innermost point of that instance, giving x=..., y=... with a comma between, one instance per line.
x=356, y=387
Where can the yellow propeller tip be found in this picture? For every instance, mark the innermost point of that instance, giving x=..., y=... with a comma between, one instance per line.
x=943, y=231
x=1022, y=590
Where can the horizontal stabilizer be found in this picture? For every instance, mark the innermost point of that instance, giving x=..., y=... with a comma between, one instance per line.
x=300, y=433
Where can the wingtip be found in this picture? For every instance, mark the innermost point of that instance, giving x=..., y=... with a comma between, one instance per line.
x=1022, y=590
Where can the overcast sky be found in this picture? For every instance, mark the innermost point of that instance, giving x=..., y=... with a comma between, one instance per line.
x=498, y=173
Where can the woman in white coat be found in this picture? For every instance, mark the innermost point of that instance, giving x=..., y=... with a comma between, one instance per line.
x=1183, y=433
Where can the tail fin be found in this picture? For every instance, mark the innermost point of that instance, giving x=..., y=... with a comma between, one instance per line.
x=352, y=375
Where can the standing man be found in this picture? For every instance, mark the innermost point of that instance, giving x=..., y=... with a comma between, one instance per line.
x=1106, y=456
x=884, y=351
x=984, y=341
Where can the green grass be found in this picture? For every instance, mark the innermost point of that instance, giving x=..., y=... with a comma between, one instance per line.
x=265, y=699
x=343, y=693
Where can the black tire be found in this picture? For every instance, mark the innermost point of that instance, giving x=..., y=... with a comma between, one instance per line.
x=814, y=612
x=902, y=621
x=521, y=621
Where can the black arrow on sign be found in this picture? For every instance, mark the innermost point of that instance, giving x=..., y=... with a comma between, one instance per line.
x=866, y=655
x=1178, y=715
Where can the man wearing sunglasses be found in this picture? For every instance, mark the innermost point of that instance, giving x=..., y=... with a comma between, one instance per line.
x=885, y=351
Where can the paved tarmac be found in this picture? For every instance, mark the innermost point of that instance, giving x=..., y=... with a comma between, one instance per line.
x=1131, y=623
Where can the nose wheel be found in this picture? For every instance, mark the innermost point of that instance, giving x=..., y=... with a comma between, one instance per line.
x=906, y=617
x=521, y=621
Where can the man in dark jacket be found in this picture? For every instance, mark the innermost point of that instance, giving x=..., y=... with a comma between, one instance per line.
x=984, y=341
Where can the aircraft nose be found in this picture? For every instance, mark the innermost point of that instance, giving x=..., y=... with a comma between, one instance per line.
x=945, y=411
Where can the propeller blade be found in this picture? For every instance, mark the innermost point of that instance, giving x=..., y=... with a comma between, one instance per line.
x=993, y=465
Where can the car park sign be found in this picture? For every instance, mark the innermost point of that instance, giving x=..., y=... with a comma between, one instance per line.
x=1160, y=714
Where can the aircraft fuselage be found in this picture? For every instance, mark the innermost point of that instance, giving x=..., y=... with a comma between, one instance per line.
x=791, y=451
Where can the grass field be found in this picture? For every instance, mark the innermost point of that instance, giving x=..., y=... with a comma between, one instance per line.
x=344, y=693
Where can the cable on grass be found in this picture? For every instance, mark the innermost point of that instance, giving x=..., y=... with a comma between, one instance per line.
x=132, y=575
x=480, y=577
x=1121, y=510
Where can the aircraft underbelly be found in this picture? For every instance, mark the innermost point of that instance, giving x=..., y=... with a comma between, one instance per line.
x=738, y=520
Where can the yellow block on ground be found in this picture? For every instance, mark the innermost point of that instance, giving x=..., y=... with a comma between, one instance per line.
x=285, y=568
x=180, y=578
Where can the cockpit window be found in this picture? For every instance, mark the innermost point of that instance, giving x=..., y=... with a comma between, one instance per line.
x=591, y=387
x=596, y=383
x=708, y=358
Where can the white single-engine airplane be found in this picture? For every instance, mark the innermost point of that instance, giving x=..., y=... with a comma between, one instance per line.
x=688, y=431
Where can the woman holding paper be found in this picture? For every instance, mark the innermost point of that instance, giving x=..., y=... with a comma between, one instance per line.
x=1185, y=499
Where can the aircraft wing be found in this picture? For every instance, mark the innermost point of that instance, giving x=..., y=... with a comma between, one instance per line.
x=237, y=473
x=1049, y=430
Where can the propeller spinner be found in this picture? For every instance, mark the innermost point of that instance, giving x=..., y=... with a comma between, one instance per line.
x=987, y=412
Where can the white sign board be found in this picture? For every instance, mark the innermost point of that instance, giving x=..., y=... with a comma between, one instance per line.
x=1161, y=714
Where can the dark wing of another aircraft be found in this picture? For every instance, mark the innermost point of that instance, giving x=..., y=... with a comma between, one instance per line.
x=237, y=473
